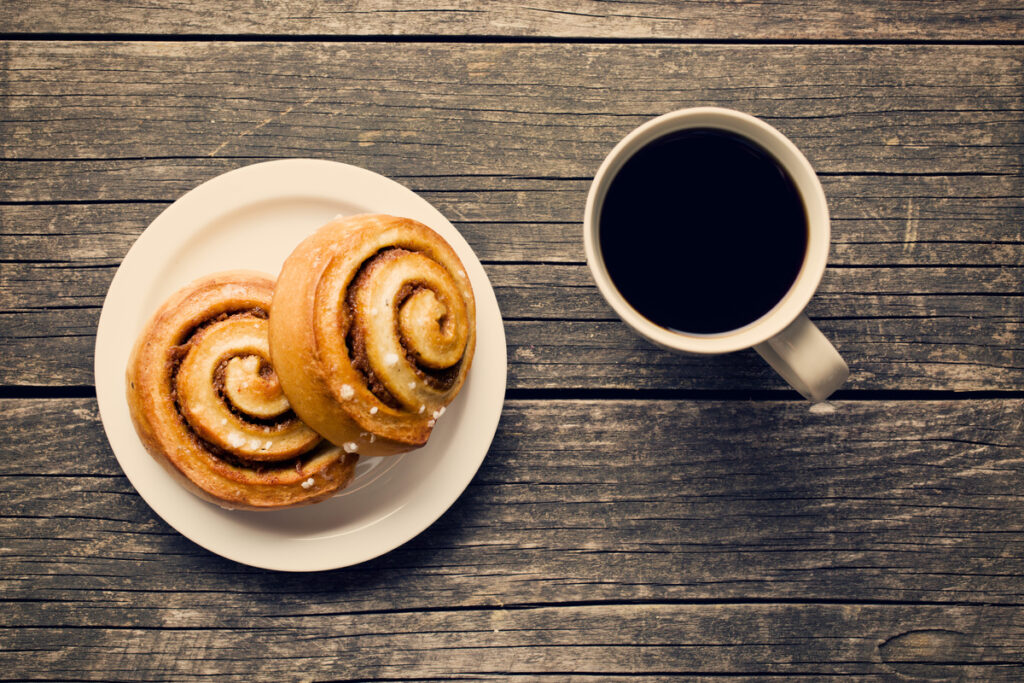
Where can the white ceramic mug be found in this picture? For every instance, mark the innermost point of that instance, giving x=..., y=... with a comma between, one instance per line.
x=783, y=336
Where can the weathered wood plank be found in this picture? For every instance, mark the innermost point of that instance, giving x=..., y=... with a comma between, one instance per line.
x=948, y=344
x=949, y=321
x=910, y=501
x=536, y=110
x=910, y=220
x=555, y=291
x=628, y=537
x=580, y=642
x=804, y=20
x=899, y=328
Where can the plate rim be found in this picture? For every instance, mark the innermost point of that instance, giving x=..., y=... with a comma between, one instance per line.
x=110, y=391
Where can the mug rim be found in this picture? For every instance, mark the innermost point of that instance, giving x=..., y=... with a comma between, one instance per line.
x=786, y=153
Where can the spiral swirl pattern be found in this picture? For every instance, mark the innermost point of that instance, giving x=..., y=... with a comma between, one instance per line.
x=372, y=331
x=207, y=403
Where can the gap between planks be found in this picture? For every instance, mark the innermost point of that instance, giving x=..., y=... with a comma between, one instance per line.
x=519, y=607
x=472, y=39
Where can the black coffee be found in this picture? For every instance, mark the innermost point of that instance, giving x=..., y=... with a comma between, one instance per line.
x=702, y=231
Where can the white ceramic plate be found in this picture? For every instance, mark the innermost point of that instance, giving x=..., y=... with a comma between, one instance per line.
x=253, y=217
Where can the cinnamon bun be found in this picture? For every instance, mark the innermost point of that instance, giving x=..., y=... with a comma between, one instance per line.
x=207, y=403
x=372, y=331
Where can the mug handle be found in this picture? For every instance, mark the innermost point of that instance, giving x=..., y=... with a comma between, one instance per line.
x=805, y=359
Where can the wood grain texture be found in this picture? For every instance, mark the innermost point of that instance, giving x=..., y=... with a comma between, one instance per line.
x=561, y=335
x=923, y=230
x=923, y=293
x=580, y=643
x=607, y=539
x=521, y=110
x=636, y=537
x=804, y=19
x=915, y=220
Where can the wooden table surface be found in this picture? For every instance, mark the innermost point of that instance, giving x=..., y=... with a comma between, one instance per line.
x=640, y=514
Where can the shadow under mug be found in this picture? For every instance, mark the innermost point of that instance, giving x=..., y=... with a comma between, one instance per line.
x=783, y=336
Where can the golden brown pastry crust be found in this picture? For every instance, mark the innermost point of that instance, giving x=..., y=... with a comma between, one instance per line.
x=372, y=331
x=207, y=404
